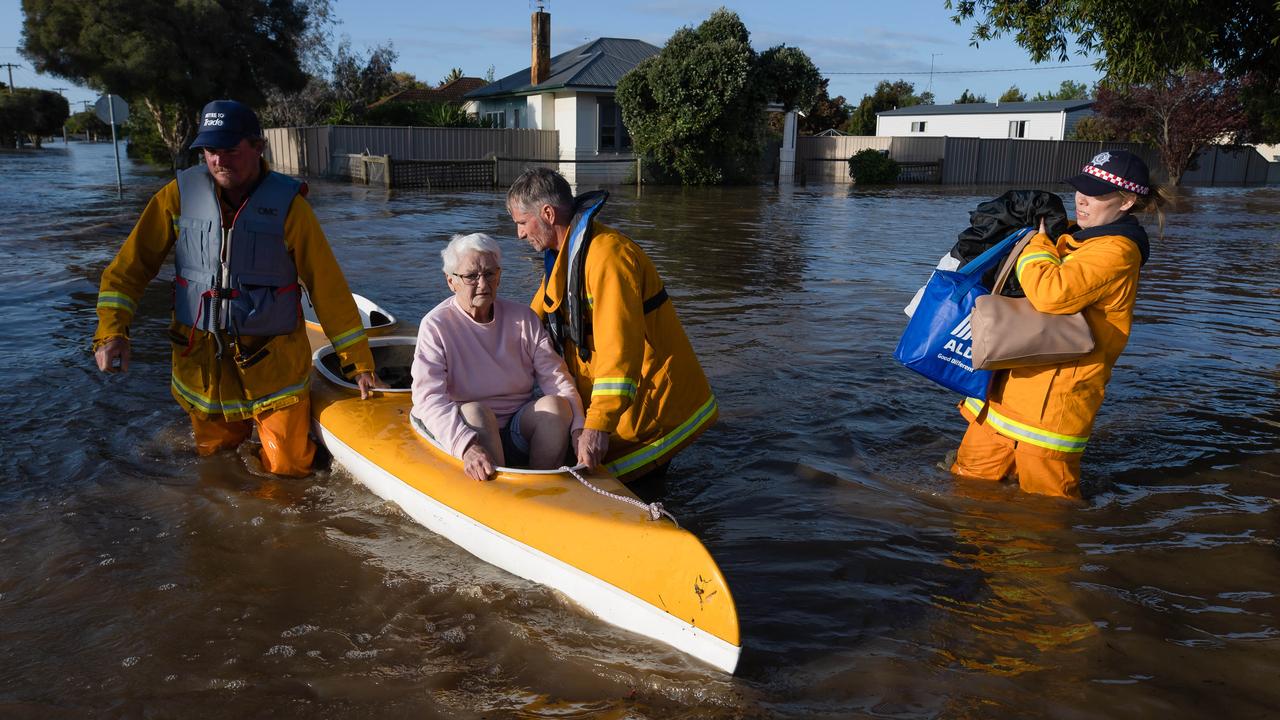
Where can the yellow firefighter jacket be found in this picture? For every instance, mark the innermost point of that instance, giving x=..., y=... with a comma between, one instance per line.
x=642, y=383
x=273, y=372
x=1092, y=271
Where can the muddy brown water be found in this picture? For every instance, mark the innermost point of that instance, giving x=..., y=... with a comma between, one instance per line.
x=139, y=581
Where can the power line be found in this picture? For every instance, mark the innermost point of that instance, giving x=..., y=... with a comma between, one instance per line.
x=961, y=72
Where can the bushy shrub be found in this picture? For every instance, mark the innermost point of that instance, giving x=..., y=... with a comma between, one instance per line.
x=873, y=167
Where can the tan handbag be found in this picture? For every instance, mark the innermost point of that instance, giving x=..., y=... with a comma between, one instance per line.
x=1010, y=332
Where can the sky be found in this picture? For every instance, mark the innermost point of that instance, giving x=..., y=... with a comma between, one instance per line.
x=854, y=43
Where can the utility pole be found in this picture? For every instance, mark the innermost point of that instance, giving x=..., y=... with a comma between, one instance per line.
x=87, y=104
x=931, y=57
x=11, y=66
x=63, y=93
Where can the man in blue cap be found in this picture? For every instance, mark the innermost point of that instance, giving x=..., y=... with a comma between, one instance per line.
x=245, y=242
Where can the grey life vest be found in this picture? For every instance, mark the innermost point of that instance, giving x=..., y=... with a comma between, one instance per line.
x=261, y=294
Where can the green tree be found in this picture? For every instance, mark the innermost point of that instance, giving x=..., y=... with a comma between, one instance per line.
x=421, y=114
x=886, y=96
x=33, y=113
x=1068, y=90
x=696, y=110
x=967, y=98
x=1013, y=94
x=827, y=112
x=361, y=78
x=87, y=122
x=1147, y=41
x=790, y=77
x=161, y=54
x=454, y=74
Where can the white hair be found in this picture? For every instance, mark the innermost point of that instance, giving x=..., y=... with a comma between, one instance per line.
x=460, y=245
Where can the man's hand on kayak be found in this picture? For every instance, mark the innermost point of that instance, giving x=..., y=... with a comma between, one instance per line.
x=592, y=446
x=368, y=382
x=477, y=463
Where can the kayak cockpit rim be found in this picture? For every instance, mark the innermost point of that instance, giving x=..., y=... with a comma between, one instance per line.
x=393, y=358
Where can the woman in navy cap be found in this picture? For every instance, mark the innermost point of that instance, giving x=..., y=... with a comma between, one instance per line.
x=1036, y=420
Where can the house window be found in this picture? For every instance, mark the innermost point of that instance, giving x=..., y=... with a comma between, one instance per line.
x=497, y=118
x=611, y=134
x=918, y=126
x=515, y=118
x=1017, y=128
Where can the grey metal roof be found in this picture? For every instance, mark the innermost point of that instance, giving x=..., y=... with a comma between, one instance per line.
x=599, y=64
x=1047, y=106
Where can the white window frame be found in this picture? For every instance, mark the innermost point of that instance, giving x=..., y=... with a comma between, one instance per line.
x=1017, y=128
x=918, y=125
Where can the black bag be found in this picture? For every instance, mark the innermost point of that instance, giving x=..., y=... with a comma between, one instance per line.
x=993, y=221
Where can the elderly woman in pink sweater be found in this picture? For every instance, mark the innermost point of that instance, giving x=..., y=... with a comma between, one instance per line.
x=487, y=383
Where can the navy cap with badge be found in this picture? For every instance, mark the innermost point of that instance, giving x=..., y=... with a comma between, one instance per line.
x=224, y=123
x=1112, y=170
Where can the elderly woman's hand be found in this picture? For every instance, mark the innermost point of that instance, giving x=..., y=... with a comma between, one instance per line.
x=476, y=462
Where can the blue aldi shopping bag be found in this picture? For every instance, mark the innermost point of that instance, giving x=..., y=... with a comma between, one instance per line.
x=938, y=341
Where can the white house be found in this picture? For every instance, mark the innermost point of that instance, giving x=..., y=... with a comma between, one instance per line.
x=1045, y=120
x=573, y=94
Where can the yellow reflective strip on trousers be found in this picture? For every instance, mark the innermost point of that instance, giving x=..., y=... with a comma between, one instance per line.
x=1033, y=257
x=1023, y=432
x=662, y=445
x=108, y=298
x=237, y=407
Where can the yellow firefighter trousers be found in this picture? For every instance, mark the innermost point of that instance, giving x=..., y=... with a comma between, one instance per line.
x=985, y=454
x=286, y=447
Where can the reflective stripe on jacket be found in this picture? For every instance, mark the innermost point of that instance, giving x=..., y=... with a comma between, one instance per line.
x=1054, y=406
x=276, y=370
x=264, y=297
x=642, y=383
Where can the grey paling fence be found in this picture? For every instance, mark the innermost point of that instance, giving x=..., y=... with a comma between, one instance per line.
x=391, y=172
x=975, y=161
x=311, y=150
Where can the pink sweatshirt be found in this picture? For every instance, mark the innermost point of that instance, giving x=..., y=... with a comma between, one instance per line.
x=458, y=360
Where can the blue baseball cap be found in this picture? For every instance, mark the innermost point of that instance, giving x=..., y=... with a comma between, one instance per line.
x=224, y=123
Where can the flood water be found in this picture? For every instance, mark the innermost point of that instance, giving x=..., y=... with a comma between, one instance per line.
x=137, y=580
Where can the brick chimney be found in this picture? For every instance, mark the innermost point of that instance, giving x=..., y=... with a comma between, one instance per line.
x=541, y=68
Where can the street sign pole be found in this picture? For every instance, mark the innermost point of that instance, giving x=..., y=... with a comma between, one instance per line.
x=114, y=146
x=111, y=109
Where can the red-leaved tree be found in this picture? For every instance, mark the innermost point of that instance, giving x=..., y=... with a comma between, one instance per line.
x=1177, y=116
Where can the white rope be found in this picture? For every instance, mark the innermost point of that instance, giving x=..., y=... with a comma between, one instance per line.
x=655, y=509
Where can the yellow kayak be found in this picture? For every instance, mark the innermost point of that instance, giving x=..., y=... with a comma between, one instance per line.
x=644, y=575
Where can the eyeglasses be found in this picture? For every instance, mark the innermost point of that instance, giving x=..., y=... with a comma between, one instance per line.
x=472, y=278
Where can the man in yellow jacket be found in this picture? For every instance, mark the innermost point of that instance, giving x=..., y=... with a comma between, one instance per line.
x=607, y=309
x=244, y=239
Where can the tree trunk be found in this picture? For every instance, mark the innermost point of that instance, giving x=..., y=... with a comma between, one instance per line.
x=173, y=125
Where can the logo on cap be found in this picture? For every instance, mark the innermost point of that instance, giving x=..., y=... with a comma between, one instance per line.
x=1101, y=158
